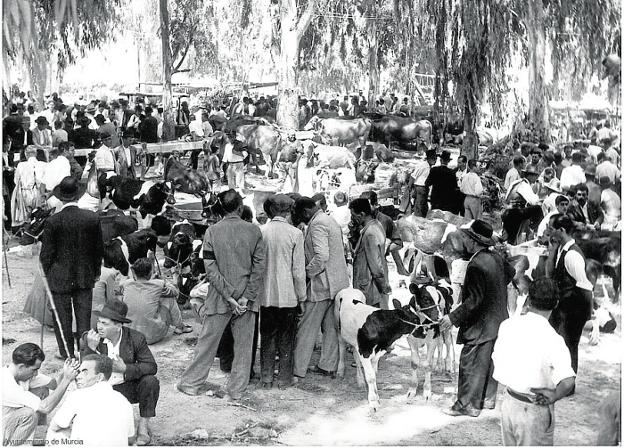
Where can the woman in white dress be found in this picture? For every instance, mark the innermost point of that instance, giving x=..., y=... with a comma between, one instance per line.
x=27, y=193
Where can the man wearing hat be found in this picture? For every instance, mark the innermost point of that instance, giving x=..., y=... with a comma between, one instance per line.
x=610, y=203
x=42, y=135
x=83, y=136
x=478, y=317
x=417, y=184
x=523, y=210
x=553, y=191
x=107, y=129
x=284, y=288
x=234, y=156
x=134, y=367
x=443, y=185
x=71, y=258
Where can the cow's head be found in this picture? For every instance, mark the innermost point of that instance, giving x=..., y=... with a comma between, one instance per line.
x=191, y=182
x=155, y=198
x=314, y=123
x=180, y=245
x=116, y=255
x=34, y=227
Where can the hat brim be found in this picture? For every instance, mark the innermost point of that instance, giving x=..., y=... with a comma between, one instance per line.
x=479, y=238
x=112, y=316
x=56, y=192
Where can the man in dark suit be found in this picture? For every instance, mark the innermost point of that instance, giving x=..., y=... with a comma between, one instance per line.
x=443, y=183
x=134, y=367
x=582, y=212
x=126, y=155
x=71, y=258
x=483, y=309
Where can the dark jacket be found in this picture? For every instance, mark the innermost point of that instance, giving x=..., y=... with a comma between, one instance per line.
x=443, y=183
x=133, y=350
x=149, y=130
x=484, y=305
x=575, y=212
x=72, y=249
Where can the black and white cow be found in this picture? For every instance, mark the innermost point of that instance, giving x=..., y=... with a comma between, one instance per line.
x=148, y=197
x=179, y=248
x=191, y=274
x=371, y=331
x=121, y=252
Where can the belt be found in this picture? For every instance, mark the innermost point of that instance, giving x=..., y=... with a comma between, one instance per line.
x=419, y=186
x=473, y=196
x=519, y=396
x=240, y=161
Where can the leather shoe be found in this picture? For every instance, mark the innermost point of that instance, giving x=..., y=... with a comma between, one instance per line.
x=455, y=411
x=192, y=391
x=319, y=371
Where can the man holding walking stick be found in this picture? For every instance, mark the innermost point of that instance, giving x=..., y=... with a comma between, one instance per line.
x=71, y=258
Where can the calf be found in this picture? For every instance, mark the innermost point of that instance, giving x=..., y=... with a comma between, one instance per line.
x=371, y=331
x=121, y=252
x=185, y=179
x=179, y=248
x=149, y=196
x=190, y=275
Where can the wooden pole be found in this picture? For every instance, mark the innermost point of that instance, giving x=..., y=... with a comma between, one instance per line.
x=53, y=306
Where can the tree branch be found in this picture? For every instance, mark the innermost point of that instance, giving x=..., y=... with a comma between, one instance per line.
x=176, y=68
x=305, y=19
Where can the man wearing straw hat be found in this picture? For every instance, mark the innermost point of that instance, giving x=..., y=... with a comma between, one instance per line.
x=71, y=259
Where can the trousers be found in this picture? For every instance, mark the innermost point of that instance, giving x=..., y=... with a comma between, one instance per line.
x=316, y=315
x=19, y=424
x=213, y=326
x=473, y=209
x=144, y=391
x=277, y=331
x=526, y=424
x=81, y=301
x=475, y=384
x=420, y=201
x=225, y=352
x=236, y=175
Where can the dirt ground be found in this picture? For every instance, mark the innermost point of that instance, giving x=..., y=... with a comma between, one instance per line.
x=323, y=411
x=320, y=410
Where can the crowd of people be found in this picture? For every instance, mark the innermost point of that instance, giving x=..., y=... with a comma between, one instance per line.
x=276, y=285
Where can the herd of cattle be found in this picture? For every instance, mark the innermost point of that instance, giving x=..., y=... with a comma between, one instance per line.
x=432, y=245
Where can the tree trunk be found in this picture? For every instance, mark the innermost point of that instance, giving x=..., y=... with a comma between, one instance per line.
x=470, y=145
x=373, y=66
x=288, y=92
x=538, y=92
x=168, y=114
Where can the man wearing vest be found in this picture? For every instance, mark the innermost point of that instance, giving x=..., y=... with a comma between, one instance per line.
x=566, y=265
x=523, y=212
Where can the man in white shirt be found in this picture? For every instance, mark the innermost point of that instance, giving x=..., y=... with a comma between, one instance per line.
x=472, y=187
x=523, y=211
x=533, y=362
x=461, y=170
x=606, y=168
x=573, y=174
x=610, y=203
x=234, y=155
x=106, y=165
x=195, y=128
x=561, y=207
x=95, y=414
x=57, y=169
x=418, y=178
x=566, y=265
x=24, y=392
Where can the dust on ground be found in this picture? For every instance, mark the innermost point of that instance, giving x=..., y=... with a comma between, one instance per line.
x=321, y=410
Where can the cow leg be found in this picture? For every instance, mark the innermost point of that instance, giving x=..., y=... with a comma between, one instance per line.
x=358, y=367
x=371, y=381
x=341, y=354
x=415, y=362
x=426, y=365
x=439, y=350
x=450, y=364
x=375, y=359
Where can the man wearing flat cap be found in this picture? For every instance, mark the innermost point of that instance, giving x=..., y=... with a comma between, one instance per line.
x=134, y=367
x=71, y=258
x=284, y=288
x=483, y=308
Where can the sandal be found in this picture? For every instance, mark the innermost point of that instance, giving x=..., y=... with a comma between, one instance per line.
x=184, y=329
